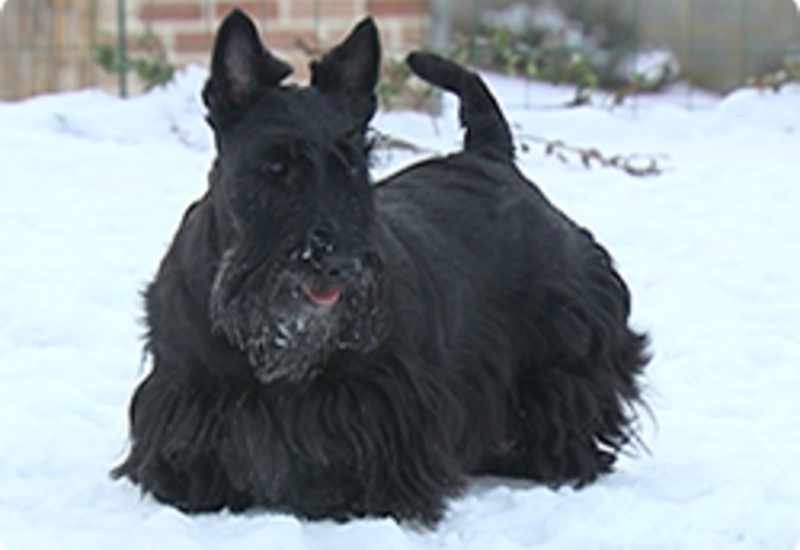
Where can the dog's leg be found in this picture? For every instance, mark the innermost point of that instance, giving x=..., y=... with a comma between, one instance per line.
x=327, y=450
x=172, y=456
x=574, y=406
x=377, y=442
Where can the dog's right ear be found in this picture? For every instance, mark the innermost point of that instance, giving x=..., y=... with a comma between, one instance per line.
x=240, y=66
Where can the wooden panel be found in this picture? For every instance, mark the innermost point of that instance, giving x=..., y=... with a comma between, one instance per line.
x=45, y=46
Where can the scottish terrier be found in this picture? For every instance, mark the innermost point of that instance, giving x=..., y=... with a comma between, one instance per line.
x=333, y=347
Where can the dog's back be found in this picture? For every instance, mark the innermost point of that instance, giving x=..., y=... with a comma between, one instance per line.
x=525, y=306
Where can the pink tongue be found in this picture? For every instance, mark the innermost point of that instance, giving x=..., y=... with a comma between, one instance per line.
x=323, y=297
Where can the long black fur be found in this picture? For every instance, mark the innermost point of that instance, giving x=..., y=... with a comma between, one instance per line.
x=336, y=348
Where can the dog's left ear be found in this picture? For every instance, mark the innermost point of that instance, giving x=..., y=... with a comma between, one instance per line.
x=352, y=68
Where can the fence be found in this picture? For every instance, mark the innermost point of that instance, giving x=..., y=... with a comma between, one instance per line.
x=36, y=57
x=53, y=45
x=45, y=46
x=720, y=44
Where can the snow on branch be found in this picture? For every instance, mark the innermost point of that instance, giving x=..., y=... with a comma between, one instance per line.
x=635, y=164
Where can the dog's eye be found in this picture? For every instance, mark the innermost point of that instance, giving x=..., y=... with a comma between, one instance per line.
x=276, y=168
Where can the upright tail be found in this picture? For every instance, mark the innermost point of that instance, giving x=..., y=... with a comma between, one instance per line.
x=487, y=132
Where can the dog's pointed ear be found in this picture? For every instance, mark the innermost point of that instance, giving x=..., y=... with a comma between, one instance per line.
x=353, y=66
x=240, y=65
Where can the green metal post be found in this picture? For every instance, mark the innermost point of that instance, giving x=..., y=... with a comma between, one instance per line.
x=686, y=21
x=745, y=43
x=122, y=49
x=317, y=26
x=636, y=18
x=441, y=23
x=476, y=25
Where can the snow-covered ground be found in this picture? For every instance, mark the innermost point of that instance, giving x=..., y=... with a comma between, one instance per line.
x=92, y=187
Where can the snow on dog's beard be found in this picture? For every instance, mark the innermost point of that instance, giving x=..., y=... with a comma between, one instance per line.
x=286, y=329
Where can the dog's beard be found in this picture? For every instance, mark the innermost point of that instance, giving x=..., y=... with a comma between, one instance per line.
x=267, y=313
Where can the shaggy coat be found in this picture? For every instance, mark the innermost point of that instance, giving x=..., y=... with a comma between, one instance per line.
x=335, y=348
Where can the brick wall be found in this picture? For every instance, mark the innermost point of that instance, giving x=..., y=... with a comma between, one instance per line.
x=292, y=29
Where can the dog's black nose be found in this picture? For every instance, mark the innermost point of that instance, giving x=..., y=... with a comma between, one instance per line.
x=339, y=269
x=323, y=253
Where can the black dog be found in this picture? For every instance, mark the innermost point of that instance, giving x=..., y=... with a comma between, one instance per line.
x=336, y=348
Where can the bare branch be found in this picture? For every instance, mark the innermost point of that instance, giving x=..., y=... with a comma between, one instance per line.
x=636, y=165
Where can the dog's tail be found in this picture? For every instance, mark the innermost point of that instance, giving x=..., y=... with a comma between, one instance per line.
x=487, y=131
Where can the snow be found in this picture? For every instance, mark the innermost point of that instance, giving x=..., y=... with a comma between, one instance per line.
x=92, y=187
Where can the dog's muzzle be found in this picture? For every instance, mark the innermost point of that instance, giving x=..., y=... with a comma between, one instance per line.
x=331, y=270
x=288, y=317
